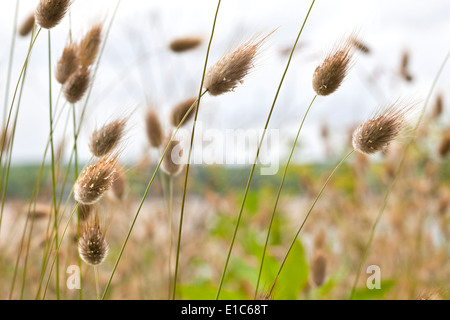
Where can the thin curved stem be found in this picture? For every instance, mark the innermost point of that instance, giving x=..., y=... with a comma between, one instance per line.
x=278, y=195
x=190, y=152
x=307, y=216
x=257, y=153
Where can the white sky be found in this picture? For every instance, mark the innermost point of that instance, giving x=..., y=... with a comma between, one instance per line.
x=144, y=28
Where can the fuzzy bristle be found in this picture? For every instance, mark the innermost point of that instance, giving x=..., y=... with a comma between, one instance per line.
x=184, y=44
x=107, y=138
x=86, y=210
x=378, y=132
x=92, y=245
x=95, y=180
x=67, y=64
x=358, y=44
x=180, y=110
x=27, y=26
x=76, y=85
x=89, y=46
x=50, y=12
x=171, y=163
x=154, y=129
x=230, y=70
x=328, y=76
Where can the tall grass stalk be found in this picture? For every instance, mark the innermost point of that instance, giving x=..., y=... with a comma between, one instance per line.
x=307, y=216
x=396, y=174
x=279, y=193
x=258, y=150
x=190, y=151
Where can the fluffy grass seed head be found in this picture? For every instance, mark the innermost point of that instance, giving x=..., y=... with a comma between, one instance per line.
x=179, y=111
x=27, y=26
x=183, y=44
x=89, y=46
x=154, y=129
x=95, y=180
x=50, y=12
x=171, y=163
x=379, y=131
x=105, y=140
x=76, y=85
x=329, y=75
x=230, y=70
x=67, y=64
x=92, y=245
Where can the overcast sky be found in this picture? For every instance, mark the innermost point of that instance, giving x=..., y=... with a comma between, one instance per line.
x=137, y=68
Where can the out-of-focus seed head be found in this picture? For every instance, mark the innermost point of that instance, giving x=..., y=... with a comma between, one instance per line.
x=180, y=110
x=95, y=180
x=120, y=183
x=319, y=268
x=172, y=162
x=50, y=12
x=27, y=26
x=89, y=46
x=183, y=44
x=154, y=129
x=106, y=139
x=76, y=85
x=378, y=132
x=230, y=70
x=67, y=64
x=328, y=76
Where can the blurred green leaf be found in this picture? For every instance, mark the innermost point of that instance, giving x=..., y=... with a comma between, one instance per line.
x=207, y=292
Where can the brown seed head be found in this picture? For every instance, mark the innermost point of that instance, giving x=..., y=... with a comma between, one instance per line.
x=328, y=77
x=89, y=46
x=50, y=12
x=358, y=44
x=107, y=138
x=67, y=64
x=319, y=268
x=154, y=129
x=231, y=69
x=378, y=132
x=184, y=44
x=95, y=180
x=444, y=145
x=171, y=163
x=27, y=26
x=92, y=245
x=180, y=110
x=76, y=85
